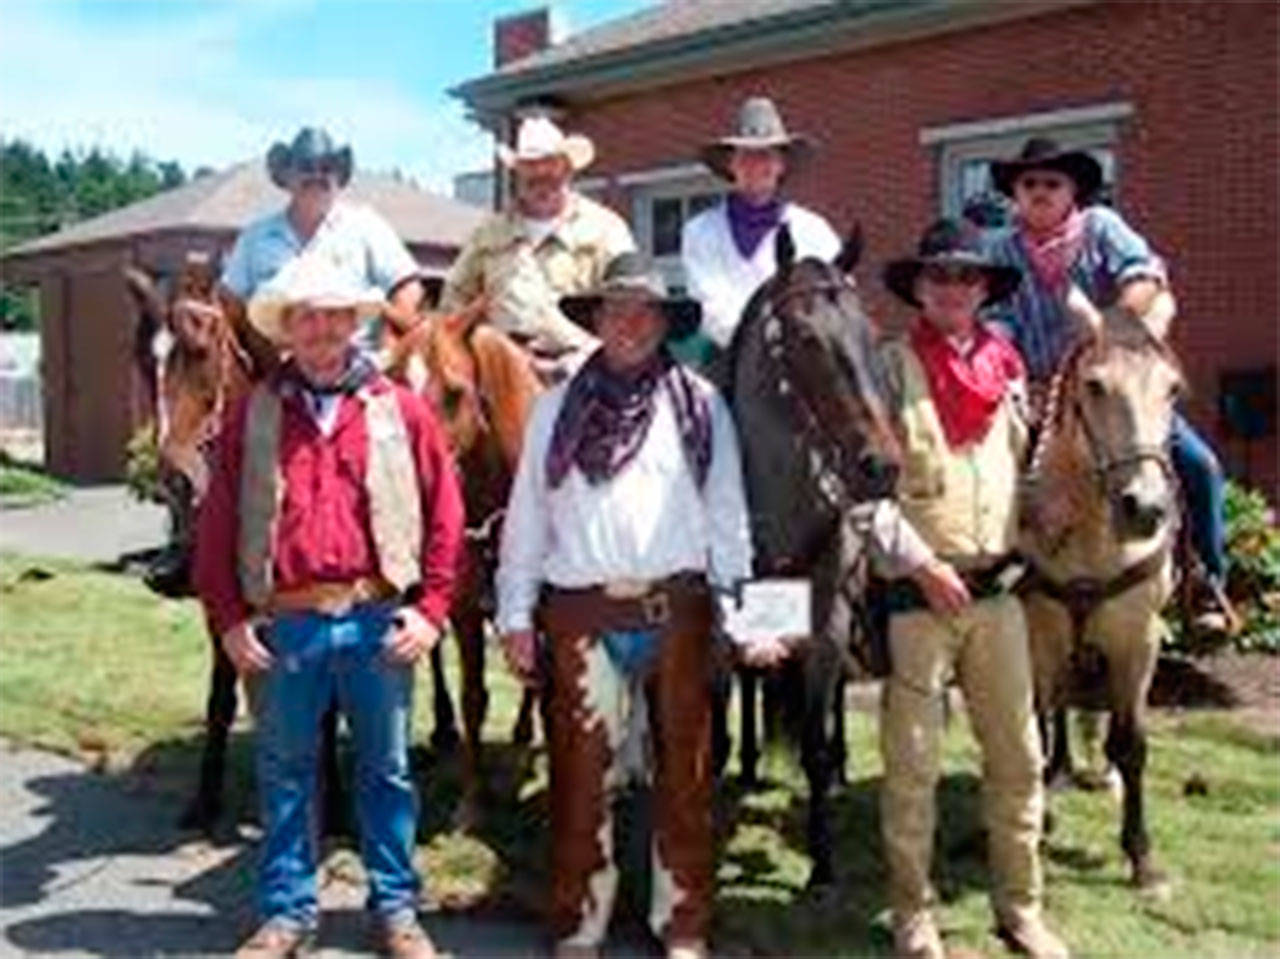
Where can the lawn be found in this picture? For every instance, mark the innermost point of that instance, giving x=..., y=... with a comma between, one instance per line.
x=92, y=664
x=25, y=486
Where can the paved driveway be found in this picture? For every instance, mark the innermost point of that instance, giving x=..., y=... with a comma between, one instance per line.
x=96, y=524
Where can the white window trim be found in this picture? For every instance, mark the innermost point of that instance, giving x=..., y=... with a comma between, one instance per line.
x=1026, y=122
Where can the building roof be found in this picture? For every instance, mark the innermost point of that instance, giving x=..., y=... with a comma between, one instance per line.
x=676, y=39
x=228, y=200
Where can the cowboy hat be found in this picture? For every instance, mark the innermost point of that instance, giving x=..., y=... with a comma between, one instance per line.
x=539, y=138
x=313, y=281
x=629, y=273
x=758, y=126
x=311, y=150
x=1044, y=153
x=947, y=243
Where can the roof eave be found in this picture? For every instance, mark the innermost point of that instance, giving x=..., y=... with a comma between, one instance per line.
x=797, y=34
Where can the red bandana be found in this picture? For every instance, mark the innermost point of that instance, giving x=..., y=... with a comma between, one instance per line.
x=1051, y=254
x=966, y=390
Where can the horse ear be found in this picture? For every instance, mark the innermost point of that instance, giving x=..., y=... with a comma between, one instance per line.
x=784, y=250
x=851, y=252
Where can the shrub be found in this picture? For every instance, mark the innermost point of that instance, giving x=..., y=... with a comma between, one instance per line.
x=1253, y=548
x=142, y=465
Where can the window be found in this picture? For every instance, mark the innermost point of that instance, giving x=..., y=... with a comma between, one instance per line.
x=965, y=152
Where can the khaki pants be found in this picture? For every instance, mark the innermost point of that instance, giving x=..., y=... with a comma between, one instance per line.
x=589, y=707
x=986, y=646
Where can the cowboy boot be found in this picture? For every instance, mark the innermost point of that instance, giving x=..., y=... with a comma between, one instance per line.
x=1214, y=617
x=405, y=939
x=277, y=940
x=915, y=936
x=1031, y=936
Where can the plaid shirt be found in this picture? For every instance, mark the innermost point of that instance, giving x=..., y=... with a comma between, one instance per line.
x=1112, y=254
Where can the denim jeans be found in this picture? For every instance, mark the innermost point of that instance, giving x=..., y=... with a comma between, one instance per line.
x=315, y=658
x=1203, y=483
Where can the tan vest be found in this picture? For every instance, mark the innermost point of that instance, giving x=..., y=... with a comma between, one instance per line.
x=391, y=483
x=962, y=501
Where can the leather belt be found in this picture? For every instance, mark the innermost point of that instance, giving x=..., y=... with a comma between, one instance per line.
x=332, y=599
x=905, y=595
x=628, y=604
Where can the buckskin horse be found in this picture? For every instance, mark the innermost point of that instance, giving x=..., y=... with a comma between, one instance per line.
x=484, y=386
x=1100, y=524
x=806, y=391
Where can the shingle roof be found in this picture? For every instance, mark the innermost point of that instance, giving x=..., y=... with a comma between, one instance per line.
x=665, y=21
x=230, y=199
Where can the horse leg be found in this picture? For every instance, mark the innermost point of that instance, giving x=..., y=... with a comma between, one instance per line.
x=1127, y=747
x=444, y=735
x=721, y=744
x=522, y=731
x=748, y=683
x=205, y=807
x=1058, y=768
x=839, y=748
x=469, y=628
x=815, y=756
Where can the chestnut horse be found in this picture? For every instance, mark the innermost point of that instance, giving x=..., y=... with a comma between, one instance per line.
x=483, y=385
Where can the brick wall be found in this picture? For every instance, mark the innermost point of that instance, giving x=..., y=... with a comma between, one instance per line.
x=1197, y=160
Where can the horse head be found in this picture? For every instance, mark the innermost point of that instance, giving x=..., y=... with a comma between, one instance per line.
x=1121, y=392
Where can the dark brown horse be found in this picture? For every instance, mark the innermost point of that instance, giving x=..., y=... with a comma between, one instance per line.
x=483, y=385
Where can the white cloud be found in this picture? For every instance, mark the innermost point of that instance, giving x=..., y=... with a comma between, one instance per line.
x=175, y=88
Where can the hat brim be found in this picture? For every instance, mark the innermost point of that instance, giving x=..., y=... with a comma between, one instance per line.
x=796, y=148
x=1083, y=170
x=265, y=312
x=577, y=149
x=900, y=276
x=280, y=164
x=683, y=314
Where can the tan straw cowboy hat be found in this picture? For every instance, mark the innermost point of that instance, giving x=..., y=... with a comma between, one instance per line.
x=538, y=138
x=309, y=280
x=758, y=126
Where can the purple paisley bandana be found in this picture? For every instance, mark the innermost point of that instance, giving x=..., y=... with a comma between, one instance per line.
x=750, y=224
x=605, y=418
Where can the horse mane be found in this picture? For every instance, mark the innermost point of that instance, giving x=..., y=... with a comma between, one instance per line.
x=507, y=385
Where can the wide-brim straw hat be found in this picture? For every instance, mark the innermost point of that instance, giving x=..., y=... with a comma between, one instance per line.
x=309, y=281
x=627, y=274
x=757, y=126
x=312, y=150
x=947, y=243
x=1044, y=153
x=539, y=138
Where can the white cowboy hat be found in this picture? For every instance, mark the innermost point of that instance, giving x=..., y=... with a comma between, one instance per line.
x=311, y=281
x=539, y=138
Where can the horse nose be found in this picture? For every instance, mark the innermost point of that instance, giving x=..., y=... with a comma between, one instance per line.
x=879, y=473
x=1143, y=516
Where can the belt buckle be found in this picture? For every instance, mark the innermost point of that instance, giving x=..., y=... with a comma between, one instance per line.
x=627, y=588
x=656, y=608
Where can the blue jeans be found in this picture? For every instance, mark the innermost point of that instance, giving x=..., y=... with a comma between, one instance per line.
x=1203, y=482
x=318, y=656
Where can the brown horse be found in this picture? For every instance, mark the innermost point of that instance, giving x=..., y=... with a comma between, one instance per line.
x=1100, y=525
x=484, y=386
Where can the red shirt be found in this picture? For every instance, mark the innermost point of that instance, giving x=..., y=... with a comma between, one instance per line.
x=323, y=532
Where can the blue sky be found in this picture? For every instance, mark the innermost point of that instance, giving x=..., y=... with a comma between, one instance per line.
x=211, y=83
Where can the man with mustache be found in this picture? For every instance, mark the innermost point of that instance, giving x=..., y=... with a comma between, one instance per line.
x=551, y=242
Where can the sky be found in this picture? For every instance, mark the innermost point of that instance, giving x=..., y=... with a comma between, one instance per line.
x=214, y=82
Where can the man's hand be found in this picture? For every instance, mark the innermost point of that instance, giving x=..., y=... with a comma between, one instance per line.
x=942, y=586
x=467, y=317
x=412, y=634
x=766, y=655
x=243, y=648
x=521, y=649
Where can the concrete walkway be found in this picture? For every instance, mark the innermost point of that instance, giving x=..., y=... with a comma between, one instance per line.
x=95, y=524
x=91, y=867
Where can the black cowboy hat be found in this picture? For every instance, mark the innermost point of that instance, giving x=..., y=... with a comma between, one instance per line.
x=628, y=273
x=1044, y=153
x=947, y=243
x=312, y=149
x=758, y=126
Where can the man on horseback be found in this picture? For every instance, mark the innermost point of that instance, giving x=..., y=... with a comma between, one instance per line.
x=1061, y=244
x=551, y=242
x=326, y=560
x=627, y=509
x=728, y=250
x=954, y=384
x=352, y=238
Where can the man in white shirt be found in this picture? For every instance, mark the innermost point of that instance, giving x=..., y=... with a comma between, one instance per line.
x=728, y=250
x=626, y=512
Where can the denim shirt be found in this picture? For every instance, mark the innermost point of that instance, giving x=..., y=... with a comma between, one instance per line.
x=1111, y=255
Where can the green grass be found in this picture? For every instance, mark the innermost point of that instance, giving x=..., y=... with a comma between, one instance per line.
x=27, y=486
x=92, y=664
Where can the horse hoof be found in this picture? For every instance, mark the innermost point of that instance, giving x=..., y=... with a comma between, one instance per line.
x=1153, y=883
x=201, y=814
x=820, y=890
x=466, y=818
x=522, y=732
x=444, y=740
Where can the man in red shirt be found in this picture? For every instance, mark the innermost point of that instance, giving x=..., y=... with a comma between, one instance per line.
x=328, y=546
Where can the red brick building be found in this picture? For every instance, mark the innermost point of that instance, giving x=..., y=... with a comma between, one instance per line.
x=909, y=100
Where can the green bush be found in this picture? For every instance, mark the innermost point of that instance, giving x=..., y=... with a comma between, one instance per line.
x=1253, y=548
x=25, y=485
x=142, y=465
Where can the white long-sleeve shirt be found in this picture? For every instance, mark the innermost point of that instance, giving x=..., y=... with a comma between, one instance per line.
x=648, y=521
x=722, y=280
